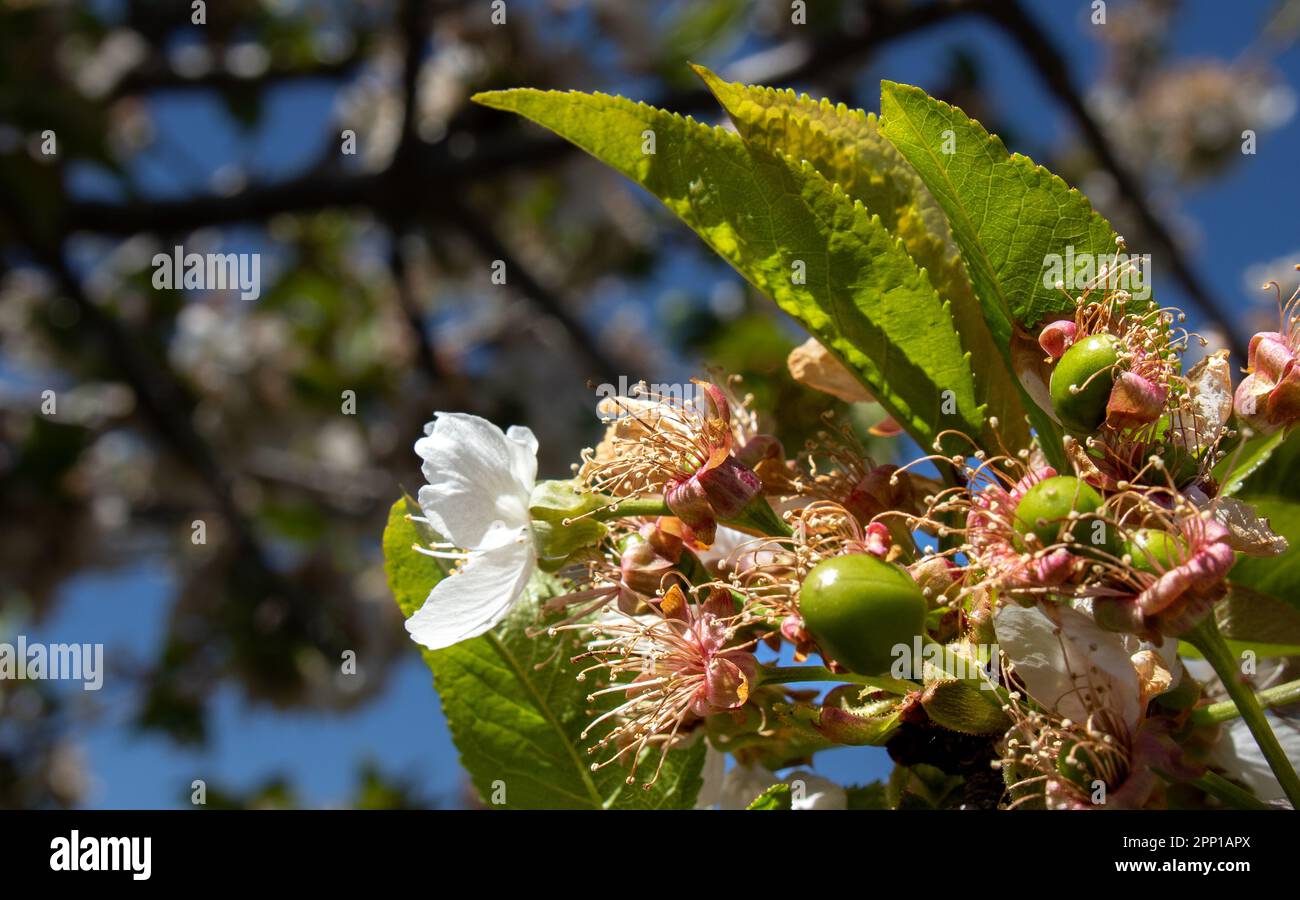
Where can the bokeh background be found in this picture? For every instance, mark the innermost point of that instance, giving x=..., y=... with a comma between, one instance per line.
x=227, y=136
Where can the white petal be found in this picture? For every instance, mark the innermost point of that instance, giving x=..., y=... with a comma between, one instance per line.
x=711, y=776
x=477, y=597
x=725, y=544
x=476, y=479
x=523, y=446
x=1238, y=754
x=743, y=784
x=1059, y=664
x=811, y=791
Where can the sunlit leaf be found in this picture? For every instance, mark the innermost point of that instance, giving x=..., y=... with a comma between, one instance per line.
x=846, y=146
x=516, y=709
x=822, y=257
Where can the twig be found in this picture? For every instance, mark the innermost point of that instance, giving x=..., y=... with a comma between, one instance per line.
x=440, y=173
x=1226, y=710
x=491, y=247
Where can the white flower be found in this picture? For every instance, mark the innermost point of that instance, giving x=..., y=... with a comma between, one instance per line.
x=712, y=776
x=1238, y=754
x=743, y=784
x=1236, y=751
x=1068, y=664
x=480, y=481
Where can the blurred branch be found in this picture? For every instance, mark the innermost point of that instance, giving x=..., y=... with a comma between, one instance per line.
x=308, y=193
x=422, y=177
x=414, y=25
x=354, y=490
x=490, y=246
x=425, y=355
x=165, y=405
x=156, y=74
x=439, y=172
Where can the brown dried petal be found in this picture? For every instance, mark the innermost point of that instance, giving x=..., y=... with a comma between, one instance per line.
x=1248, y=531
x=814, y=366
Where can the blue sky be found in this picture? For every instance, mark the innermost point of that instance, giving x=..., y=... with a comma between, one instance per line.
x=1244, y=217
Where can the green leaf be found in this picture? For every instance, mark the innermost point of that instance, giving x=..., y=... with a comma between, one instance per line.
x=1007, y=216
x=1006, y=213
x=1237, y=648
x=516, y=712
x=410, y=575
x=1266, y=466
x=845, y=145
x=764, y=213
x=922, y=787
x=1250, y=615
x=1277, y=576
x=516, y=709
x=1267, y=482
x=778, y=796
x=960, y=706
x=867, y=796
x=1240, y=464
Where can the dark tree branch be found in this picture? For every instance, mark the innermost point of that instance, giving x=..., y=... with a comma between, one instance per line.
x=440, y=172
x=491, y=247
x=308, y=193
x=422, y=177
x=411, y=312
x=155, y=74
x=165, y=405
x=413, y=20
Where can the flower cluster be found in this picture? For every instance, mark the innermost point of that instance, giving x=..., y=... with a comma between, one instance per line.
x=689, y=556
x=1269, y=397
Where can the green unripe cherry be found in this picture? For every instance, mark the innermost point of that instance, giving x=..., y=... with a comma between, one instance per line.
x=858, y=608
x=1089, y=365
x=1045, y=509
x=1182, y=697
x=1075, y=765
x=1182, y=462
x=1154, y=551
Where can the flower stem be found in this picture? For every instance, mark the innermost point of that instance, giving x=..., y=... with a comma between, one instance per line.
x=1225, y=791
x=1207, y=638
x=797, y=674
x=759, y=517
x=1226, y=710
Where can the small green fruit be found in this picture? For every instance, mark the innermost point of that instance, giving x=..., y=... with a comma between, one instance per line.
x=1182, y=462
x=1154, y=551
x=859, y=608
x=1182, y=697
x=1089, y=366
x=1045, y=509
x=1077, y=768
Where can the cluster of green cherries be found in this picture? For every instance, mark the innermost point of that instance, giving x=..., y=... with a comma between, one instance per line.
x=858, y=607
